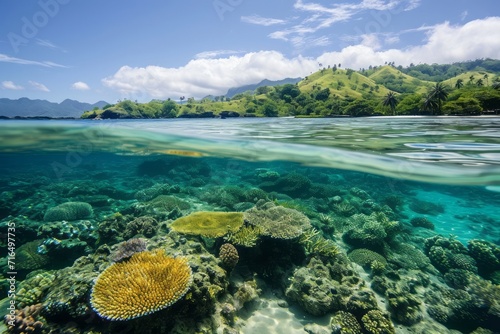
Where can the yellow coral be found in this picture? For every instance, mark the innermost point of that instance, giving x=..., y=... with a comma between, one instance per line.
x=146, y=283
x=209, y=224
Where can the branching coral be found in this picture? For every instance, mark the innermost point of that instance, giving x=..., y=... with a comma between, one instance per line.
x=247, y=236
x=209, y=224
x=314, y=243
x=146, y=283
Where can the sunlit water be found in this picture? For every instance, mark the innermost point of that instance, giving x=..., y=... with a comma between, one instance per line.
x=453, y=163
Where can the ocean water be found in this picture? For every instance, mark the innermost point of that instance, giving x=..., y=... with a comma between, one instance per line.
x=410, y=204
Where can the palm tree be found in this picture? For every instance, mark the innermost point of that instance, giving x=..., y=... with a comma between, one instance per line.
x=439, y=94
x=485, y=77
x=479, y=83
x=430, y=104
x=471, y=80
x=391, y=101
x=459, y=84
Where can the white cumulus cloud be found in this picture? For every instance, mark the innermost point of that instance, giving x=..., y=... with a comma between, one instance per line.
x=79, y=85
x=445, y=43
x=11, y=85
x=39, y=86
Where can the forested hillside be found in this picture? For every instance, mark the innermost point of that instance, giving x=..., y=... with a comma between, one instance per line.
x=469, y=88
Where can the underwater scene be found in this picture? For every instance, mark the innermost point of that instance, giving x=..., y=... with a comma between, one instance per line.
x=285, y=225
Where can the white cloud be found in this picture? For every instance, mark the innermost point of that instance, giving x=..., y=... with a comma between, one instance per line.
x=79, y=85
x=11, y=85
x=262, y=21
x=445, y=43
x=8, y=59
x=215, y=53
x=39, y=86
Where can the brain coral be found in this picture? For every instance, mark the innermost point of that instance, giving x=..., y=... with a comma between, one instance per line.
x=69, y=211
x=209, y=224
x=146, y=283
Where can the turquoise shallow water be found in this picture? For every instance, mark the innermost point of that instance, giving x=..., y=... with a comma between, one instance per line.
x=433, y=176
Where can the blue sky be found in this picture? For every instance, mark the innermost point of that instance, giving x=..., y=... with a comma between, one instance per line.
x=108, y=50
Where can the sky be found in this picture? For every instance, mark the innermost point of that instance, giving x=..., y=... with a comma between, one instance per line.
x=157, y=49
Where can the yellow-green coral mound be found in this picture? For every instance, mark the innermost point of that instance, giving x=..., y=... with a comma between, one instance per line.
x=209, y=224
x=146, y=283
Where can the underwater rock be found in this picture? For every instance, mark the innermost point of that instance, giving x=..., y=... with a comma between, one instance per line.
x=422, y=222
x=292, y=184
x=426, y=208
x=146, y=226
x=404, y=307
x=69, y=211
x=328, y=284
x=128, y=248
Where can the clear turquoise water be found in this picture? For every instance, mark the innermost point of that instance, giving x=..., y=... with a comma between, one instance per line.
x=451, y=162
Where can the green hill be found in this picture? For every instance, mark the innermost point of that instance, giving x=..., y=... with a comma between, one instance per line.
x=335, y=91
x=342, y=83
x=399, y=82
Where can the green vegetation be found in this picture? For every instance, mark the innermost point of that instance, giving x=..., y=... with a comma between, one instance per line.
x=468, y=88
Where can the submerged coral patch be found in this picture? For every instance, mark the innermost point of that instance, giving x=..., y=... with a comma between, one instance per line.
x=146, y=283
x=209, y=224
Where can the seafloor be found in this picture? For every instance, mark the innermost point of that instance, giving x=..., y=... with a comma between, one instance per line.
x=298, y=249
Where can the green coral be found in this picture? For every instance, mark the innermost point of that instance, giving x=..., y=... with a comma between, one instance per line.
x=69, y=211
x=32, y=290
x=314, y=243
x=168, y=203
x=209, y=224
x=276, y=221
x=376, y=322
x=365, y=257
x=345, y=323
x=408, y=256
x=28, y=258
x=487, y=256
x=370, y=231
x=247, y=236
x=405, y=307
x=422, y=222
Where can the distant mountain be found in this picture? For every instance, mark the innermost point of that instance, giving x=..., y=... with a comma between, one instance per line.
x=25, y=107
x=251, y=88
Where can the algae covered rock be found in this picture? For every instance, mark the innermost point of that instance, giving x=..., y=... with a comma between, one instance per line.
x=69, y=211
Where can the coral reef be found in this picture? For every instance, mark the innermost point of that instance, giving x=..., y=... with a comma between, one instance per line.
x=25, y=320
x=209, y=224
x=345, y=323
x=228, y=255
x=422, y=222
x=33, y=288
x=277, y=221
x=292, y=184
x=145, y=283
x=365, y=257
x=314, y=243
x=146, y=226
x=426, y=208
x=69, y=211
x=370, y=231
x=128, y=248
x=28, y=257
x=247, y=236
x=376, y=322
x=486, y=255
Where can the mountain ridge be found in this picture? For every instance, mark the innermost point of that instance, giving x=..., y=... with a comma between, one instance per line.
x=25, y=107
